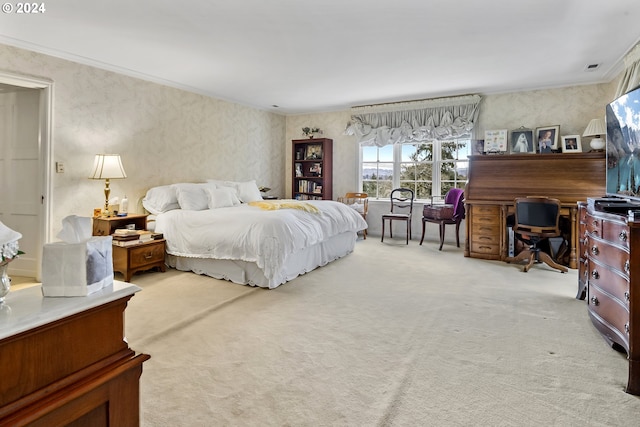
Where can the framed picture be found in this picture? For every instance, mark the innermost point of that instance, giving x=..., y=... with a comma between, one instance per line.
x=477, y=147
x=571, y=144
x=522, y=141
x=495, y=141
x=314, y=152
x=298, y=169
x=547, y=138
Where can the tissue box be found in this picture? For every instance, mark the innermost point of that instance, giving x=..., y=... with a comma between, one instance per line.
x=77, y=269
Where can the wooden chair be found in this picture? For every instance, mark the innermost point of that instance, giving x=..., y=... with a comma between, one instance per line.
x=536, y=219
x=401, y=210
x=359, y=202
x=451, y=212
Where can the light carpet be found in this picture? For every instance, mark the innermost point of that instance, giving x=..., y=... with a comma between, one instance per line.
x=391, y=335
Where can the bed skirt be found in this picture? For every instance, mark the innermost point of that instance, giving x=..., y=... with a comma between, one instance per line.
x=248, y=273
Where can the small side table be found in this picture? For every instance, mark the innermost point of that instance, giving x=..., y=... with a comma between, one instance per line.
x=128, y=260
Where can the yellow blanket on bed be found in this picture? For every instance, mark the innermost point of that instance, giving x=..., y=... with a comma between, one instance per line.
x=272, y=205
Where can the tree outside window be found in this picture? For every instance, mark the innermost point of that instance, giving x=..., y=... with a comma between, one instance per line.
x=430, y=169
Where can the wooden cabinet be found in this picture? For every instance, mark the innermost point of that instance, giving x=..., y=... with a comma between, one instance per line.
x=611, y=247
x=312, y=169
x=130, y=259
x=143, y=256
x=486, y=226
x=106, y=226
x=494, y=182
x=65, y=361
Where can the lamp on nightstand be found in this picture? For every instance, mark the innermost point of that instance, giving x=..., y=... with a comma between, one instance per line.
x=107, y=166
x=596, y=128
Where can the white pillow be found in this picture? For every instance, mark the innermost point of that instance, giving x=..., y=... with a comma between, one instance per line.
x=193, y=197
x=248, y=191
x=160, y=199
x=222, y=198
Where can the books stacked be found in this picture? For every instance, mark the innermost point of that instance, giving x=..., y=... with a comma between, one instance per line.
x=126, y=237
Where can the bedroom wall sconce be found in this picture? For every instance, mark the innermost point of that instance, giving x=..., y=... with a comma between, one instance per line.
x=596, y=128
x=107, y=166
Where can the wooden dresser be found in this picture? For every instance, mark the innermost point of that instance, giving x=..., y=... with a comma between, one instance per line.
x=65, y=361
x=494, y=181
x=610, y=270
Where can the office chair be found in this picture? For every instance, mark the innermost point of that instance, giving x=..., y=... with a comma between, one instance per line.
x=536, y=220
x=401, y=210
x=360, y=203
x=451, y=212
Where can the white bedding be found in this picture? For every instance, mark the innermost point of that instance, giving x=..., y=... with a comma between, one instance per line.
x=267, y=238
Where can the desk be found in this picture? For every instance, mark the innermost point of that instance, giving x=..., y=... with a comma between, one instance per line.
x=494, y=182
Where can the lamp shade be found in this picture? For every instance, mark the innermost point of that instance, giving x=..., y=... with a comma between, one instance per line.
x=107, y=166
x=595, y=128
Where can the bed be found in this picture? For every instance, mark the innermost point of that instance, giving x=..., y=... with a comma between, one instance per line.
x=225, y=230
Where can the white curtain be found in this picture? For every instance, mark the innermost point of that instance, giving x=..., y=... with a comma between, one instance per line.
x=418, y=121
x=631, y=77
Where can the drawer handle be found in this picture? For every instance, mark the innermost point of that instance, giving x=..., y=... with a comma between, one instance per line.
x=149, y=255
x=627, y=266
x=594, y=300
x=626, y=327
x=623, y=236
x=485, y=247
x=485, y=238
x=595, y=274
x=594, y=250
x=595, y=223
x=627, y=297
x=485, y=228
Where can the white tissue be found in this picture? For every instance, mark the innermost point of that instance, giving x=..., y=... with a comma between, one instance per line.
x=75, y=229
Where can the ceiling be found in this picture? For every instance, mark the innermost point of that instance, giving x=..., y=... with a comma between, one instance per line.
x=307, y=56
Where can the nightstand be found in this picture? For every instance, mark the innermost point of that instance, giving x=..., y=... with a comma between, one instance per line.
x=128, y=260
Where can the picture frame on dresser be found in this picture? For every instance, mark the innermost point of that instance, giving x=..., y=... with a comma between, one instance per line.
x=495, y=141
x=547, y=138
x=522, y=141
x=571, y=144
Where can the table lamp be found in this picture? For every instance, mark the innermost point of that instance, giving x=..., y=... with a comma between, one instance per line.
x=107, y=166
x=596, y=128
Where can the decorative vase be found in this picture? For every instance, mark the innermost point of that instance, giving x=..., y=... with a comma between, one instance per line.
x=5, y=281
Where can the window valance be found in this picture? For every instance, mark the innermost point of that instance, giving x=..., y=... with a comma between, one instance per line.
x=418, y=121
x=631, y=76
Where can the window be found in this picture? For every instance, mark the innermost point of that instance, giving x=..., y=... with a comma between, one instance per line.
x=428, y=168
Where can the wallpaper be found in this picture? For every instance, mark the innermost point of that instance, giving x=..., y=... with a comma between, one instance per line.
x=167, y=135
x=164, y=135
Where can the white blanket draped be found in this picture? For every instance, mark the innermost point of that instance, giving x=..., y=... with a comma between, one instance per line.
x=251, y=234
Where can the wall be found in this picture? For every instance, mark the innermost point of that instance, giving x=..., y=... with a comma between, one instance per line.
x=163, y=134
x=571, y=108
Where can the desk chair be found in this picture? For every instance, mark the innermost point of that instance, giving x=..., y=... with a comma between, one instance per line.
x=360, y=203
x=451, y=212
x=401, y=210
x=536, y=219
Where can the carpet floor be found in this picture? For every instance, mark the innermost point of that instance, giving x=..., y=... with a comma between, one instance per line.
x=391, y=335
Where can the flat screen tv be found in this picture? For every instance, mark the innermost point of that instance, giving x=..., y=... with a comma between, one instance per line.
x=623, y=146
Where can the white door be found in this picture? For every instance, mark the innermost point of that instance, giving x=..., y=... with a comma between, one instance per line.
x=20, y=192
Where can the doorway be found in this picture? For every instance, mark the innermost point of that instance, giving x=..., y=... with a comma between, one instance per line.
x=25, y=120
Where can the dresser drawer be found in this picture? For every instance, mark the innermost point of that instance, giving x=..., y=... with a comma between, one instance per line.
x=605, y=253
x=147, y=253
x=593, y=225
x=615, y=232
x=485, y=248
x=486, y=233
x=488, y=210
x=614, y=315
x=610, y=281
